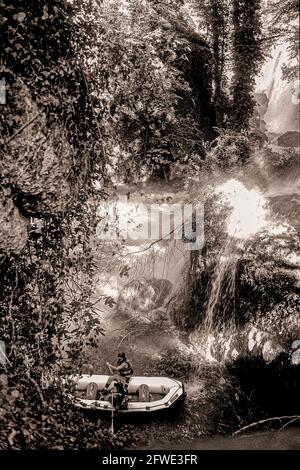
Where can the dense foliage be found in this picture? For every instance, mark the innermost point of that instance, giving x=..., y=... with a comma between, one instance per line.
x=283, y=26
x=234, y=31
x=132, y=55
x=49, y=147
x=97, y=93
x=247, y=57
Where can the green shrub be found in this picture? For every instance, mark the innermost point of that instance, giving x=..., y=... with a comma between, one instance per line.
x=231, y=149
x=277, y=162
x=175, y=364
x=52, y=421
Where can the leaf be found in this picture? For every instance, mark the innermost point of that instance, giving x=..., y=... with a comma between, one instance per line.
x=11, y=437
x=20, y=17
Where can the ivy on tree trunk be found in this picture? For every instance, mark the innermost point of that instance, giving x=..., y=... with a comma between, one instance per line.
x=247, y=57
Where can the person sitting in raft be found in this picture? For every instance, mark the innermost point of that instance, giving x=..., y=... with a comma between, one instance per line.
x=121, y=373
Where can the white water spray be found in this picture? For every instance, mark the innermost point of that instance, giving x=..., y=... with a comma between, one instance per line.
x=249, y=216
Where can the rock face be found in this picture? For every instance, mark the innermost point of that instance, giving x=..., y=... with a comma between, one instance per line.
x=289, y=139
x=40, y=169
x=144, y=297
x=247, y=343
x=35, y=166
x=46, y=126
x=38, y=162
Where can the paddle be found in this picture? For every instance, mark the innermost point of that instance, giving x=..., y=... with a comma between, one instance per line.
x=112, y=412
x=112, y=402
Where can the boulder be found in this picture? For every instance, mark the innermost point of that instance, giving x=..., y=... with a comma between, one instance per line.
x=247, y=343
x=289, y=139
x=144, y=296
x=295, y=356
x=271, y=349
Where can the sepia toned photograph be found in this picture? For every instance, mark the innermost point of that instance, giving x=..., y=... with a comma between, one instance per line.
x=149, y=231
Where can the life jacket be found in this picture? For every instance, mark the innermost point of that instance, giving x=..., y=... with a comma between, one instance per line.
x=126, y=372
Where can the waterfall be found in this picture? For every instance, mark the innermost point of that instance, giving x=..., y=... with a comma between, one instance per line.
x=248, y=216
x=222, y=294
x=282, y=114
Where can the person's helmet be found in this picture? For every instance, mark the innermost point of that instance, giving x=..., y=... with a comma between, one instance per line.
x=121, y=357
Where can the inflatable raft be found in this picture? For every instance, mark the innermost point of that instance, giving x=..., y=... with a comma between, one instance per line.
x=145, y=394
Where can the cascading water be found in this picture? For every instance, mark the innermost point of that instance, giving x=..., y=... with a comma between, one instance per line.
x=214, y=340
x=222, y=290
x=248, y=216
x=282, y=112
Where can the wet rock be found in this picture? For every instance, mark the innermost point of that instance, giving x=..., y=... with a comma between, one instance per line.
x=295, y=357
x=247, y=343
x=289, y=139
x=144, y=296
x=271, y=349
x=255, y=339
